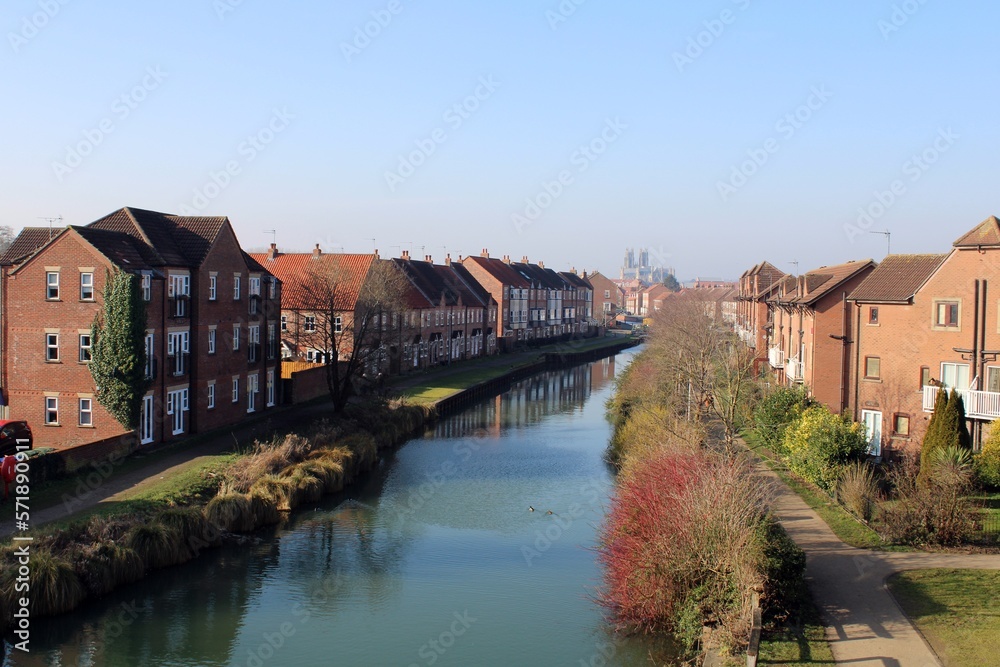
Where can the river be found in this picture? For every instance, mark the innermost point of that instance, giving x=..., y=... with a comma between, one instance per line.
x=435, y=560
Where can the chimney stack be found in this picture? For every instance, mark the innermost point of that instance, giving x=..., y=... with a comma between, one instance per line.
x=584, y=274
x=541, y=265
x=524, y=259
x=272, y=252
x=317, y=252
x=428, y=259
x=405, y=255
x=506, y=259
x=485, y=253
x=376, y=254
x=447, y=259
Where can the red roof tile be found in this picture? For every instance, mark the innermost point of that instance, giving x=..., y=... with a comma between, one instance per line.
x=27, y=242
x=897, y=278
x=986, y=233
x=293, y=269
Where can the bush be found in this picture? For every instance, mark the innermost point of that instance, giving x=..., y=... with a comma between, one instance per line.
x=682, y=546
x=230, y=510
x=275, y=490
x=821, y=444
x=934, y=510
x=650, y=430
x=784, y=567
x=776, y=411
x=858, y=490
x=988, y=460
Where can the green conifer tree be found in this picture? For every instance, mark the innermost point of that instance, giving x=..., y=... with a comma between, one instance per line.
x=118, y=349
x=933, y=438
x=964, y=437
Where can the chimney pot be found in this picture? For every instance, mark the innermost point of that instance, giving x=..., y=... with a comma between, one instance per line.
x=485, y=253
x=316, y=251
x=272, y=252
x=405, y=255
x=447, y=259
x=524, y=259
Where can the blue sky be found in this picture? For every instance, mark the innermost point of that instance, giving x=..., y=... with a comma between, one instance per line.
x=279, y=116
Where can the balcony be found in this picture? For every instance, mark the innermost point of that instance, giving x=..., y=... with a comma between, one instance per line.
x=978, y=404
x=776, y=357
x=746, y=335
x=178, y=363
x=794, y=370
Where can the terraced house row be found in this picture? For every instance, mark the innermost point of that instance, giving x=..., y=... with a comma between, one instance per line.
x=230, y=334
x=877, y=342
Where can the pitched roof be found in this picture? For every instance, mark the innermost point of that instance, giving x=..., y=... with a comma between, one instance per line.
x=125, y=251
x=897, y=278
x=27, y=242
x=482, y=294
x=575, y=280
x=986, y=233
x=170, y=240
x=824, y=280
x=501, y=271
x=293, y=270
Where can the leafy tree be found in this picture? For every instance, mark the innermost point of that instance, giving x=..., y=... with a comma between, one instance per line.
x=670, y=282
x=821, y=444
x=118, y=349
x=776, y=411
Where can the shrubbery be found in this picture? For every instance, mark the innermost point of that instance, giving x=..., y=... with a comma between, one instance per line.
x=776, y=411
x=821, y=444
x=988, y=460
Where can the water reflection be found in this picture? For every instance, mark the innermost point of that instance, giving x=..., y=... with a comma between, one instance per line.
x=440, y=531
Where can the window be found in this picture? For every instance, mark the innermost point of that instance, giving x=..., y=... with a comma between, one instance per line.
x=873, y=429
x=284, y=322
x=253, y=342
x=270, y=387
x=178, y=347
x=993, y=378
x=946, y=313
x=147, y=286
x=150, y=359
x=272, y=288
x=254, y=286
x=873, y=315
x=177, y=405
x=338, y=324
x=179, y=289
x=213, y=287
x=211, y=341
x=236, y=389
x=955, y=376
x=236, y=337
x=52, y=347
x=901, y=425
x=309, y=324
x=925, y=376
x=873, y=367
x=272, y=341
x=236, y=287
x=51, y=411
x=86, y=412
x=211, y=395
x=52, y=285
x=84, y=348
x=86, y=287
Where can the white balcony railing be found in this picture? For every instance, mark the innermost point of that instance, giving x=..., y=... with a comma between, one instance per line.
x=776, y=357
x=794, y=369
x=978, y=404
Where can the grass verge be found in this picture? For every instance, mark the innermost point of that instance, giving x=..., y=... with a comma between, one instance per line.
x=958, y=612
x=841, y=522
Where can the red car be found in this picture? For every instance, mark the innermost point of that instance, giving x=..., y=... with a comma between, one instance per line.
x=12, y=431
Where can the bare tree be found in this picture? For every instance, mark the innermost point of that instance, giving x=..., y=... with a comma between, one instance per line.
x=353, y=320
x=6, y=237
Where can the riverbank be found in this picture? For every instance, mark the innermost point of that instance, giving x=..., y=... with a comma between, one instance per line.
x=182, y=506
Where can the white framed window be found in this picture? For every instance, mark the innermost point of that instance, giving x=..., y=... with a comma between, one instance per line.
x=178, y=346
x=177, y=407
x=270, y=387
x=86, y=286
x=179, y=285
x=147, y=286
x=254, y=285
x=236, y=389
x=873, y=428
x=253, y=387
x=211, y=340
x=253, y=341
x=284, y=322
x=211, y=396
x=52, y=285
x=236, y=287
x=150, y=358
x=309, y=323
x=955, y=376
x=84, y=348
x=338, y=324
x=213, y=287
x=272, y=288
x=236, y=337
x=51, y=347
x=86, y=412
x=51, y=411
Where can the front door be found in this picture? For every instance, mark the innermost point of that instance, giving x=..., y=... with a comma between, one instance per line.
x=146, y=421
x=873, y=427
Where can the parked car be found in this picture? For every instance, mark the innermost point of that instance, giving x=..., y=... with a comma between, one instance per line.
x=12, y=431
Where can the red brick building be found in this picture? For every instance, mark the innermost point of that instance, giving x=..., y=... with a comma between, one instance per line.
x=510, y=290
x=211, y=337
x=756, y=286
x=810, y=339
x=608, y=295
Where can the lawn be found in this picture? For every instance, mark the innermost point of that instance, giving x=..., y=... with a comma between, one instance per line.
x=958, y=612
x=805, y=645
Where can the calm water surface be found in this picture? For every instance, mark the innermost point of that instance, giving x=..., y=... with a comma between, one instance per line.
x=435, y=561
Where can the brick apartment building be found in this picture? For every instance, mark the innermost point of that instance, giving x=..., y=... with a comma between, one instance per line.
x=578, y=304
x=448, y=317
x=810, y=339
x=756, y=286
x=510, y=290
x=608, y=295
x=211, y=338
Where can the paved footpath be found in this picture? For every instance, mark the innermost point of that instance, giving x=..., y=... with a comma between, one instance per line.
x=865, y=626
